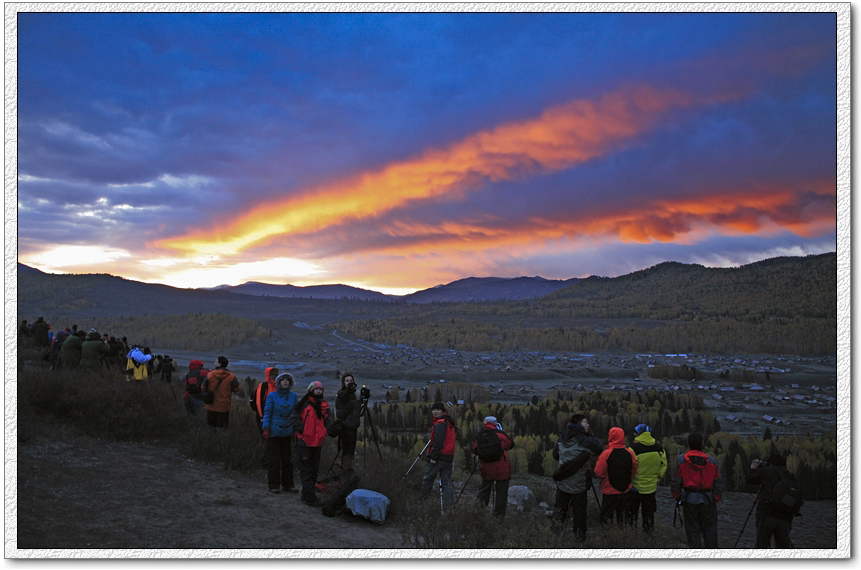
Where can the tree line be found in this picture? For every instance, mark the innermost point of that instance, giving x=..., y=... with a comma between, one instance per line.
x=536, y=428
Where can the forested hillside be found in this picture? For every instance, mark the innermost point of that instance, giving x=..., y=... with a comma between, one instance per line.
x=782, y=305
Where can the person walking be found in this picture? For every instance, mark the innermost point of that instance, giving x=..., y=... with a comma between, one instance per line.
x=651, y=466
x=576, y=446
x=697, y=484
x=773, y=516
x=348, y=411
x=491, y=446
x=616, y=467
x=278, y=434
x=223, y=384
x=310, y=420
x=440, y=454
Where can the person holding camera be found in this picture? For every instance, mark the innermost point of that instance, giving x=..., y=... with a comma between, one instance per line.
x=310, y=420
x=278, y=434
x=576, y=447
x=348, y=409
x=773, y=517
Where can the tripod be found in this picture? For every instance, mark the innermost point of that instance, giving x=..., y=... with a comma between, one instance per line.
x=363, y=413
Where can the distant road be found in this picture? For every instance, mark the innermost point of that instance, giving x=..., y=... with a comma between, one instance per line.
x=339, y=337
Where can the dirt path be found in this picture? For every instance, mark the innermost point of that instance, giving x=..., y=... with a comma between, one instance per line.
x=77, y=492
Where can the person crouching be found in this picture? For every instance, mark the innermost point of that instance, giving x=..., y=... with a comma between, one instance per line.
x=310, y=420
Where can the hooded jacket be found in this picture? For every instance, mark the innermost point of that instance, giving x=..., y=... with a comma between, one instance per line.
x=308, y=425
x=195, y=370
x=263, y=391
x=651, y=463
x=606, y=467
x=277, y=411
x=697, y=479
x=223, y=391
x=441, y=446
x=574, y=442
x=497, y=470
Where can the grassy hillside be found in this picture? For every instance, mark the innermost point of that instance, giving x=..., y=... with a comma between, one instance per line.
x=781, y=305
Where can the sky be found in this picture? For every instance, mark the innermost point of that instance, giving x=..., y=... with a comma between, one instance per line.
x=399, y=151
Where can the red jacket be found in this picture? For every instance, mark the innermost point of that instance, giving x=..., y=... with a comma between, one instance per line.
x=616, y=440
x=497, y=470
x=313, y=430
x=442, y=439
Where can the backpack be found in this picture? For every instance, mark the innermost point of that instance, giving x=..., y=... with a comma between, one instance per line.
x=193, y=384
x=786, y=497
x=488, y=447
x=619, y=466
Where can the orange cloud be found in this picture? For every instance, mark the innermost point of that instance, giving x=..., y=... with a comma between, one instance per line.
x=561, y=137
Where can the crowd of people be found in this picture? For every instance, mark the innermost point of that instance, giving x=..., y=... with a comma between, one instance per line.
x=628, y=476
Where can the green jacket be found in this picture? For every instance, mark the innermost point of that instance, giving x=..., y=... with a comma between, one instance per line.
x=70, y=353
x=90, y=352
x=651, y=463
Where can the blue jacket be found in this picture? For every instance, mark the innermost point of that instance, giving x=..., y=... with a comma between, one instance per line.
x=276, y=415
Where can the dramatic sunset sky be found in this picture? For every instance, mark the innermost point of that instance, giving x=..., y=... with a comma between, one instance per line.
x=396, y=152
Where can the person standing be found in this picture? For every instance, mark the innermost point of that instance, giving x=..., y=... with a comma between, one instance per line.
x=348, y=410
x=576, y=446
x=278, y=434
x=223, y=384
x=651, y=466
x=310, y=421
x=138, y=363
x=192, y=397
x=773, y=519
x=70, y=352
x=23, y=331
x=495, y=466
x=40, y=333
x=616, y=467
x=440, y=454
x=258, y=401
x=92, y=350
x=697, y=484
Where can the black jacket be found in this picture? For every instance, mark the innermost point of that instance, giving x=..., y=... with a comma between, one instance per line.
x=347, y=408
x=768, y=476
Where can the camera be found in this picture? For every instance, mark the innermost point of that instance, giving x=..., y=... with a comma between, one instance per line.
x=366, y=392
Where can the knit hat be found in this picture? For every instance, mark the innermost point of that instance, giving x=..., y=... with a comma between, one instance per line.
x=438, y=406
x=284, y=375
x=312, y=385
x=490, y=420
x=642, y=428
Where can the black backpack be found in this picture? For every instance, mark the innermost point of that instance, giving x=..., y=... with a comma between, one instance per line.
x=488, y=447
x=786, y=497
x=619, y=466
x=193, y=384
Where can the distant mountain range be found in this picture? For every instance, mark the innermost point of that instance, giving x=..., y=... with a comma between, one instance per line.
x=462, y=290
x=779, y=287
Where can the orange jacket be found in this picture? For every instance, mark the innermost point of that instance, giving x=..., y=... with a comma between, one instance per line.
x=616, y=440
x=263, y=390
x=229, y=384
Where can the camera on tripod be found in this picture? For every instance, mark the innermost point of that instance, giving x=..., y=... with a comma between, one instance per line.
x=365, y=393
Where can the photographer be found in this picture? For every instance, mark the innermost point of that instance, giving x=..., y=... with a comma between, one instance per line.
x=348, y=410
x=771, y=520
